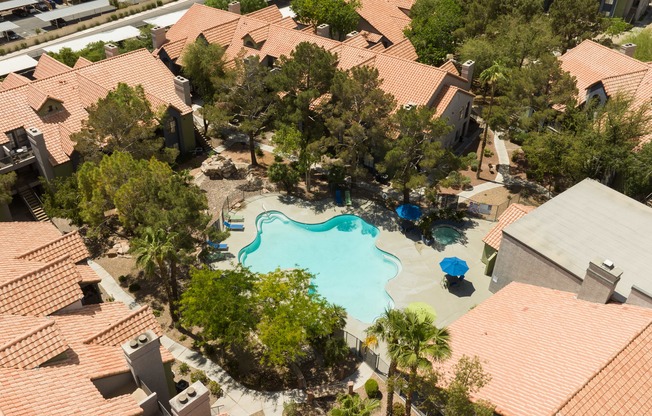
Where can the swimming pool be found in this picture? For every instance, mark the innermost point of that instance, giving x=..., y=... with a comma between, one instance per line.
x=350, y=270
x=445, y=235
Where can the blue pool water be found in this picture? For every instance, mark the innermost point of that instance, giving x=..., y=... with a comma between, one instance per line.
x=350, y=270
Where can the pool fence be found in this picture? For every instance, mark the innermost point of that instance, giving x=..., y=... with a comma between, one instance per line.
x=235, y=200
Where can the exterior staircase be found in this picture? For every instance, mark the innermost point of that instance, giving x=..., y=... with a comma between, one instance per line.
x=34, y=204
x=201, y=140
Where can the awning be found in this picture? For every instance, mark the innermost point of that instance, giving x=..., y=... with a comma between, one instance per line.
x=16, y=64
x=115, y=35
x=166, y=19
x=4, y=26
x=14, y=4
x=75, y=11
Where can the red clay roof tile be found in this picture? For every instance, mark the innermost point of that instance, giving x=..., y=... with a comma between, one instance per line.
x=513, y=213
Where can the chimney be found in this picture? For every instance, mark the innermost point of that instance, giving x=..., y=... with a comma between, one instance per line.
x=158, y=36
x=628, y=49
x=110, y=50
x=234, y=7
x=323, y=30
x=193, y=401
x=352, y=34
x=37, y=143
x=467, y=71
x=143, y=356
x=182, y=88
x=600, y=281
x=450, y=56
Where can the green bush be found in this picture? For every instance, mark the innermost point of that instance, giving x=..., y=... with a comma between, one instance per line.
x=198, y=375
x=114, y=17
x=2, y=52
x=182, y=337
x=156, y=313
x=209, y=349
x=488, y=153
x=398, y=409
x=184, y=369
x=159, y=3
x=123, y=280
x=215, y=388
x=134, y=287
x=371, y=388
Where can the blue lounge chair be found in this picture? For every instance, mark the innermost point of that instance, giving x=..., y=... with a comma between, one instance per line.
x=235, y=217
x=338, y=197
x=217, y=246
x=234, y=227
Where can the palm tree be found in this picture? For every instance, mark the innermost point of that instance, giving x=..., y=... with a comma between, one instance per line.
x=490, y=76
x=386, y=328
x=156, y=253
x=420, y=341
x=354, y=405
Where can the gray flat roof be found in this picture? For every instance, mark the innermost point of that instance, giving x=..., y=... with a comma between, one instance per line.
x=589, y=221
x=4, y=26
x=73, y=11
x=13, y=4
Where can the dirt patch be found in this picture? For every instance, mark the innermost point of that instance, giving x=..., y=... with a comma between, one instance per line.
x=382, y=388
x=502, y=195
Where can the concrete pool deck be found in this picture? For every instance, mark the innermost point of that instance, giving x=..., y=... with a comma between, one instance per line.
x=420, y=278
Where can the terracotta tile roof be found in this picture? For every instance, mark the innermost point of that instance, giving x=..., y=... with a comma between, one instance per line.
x=540, y=346
x=287, y=22
x=87, y=274
x=12, y=268
x=450, y=67
x=623, y=387
x=29, y=347
x=589, y=62
x=405, y=50
x=42, y=292
x=174, y=49
x=47, y=67
x=82, y=62
x=513, y=213
x=270, y=14
x=58, y=392
x=77, y=89
x=13, y=80
x=357, y=40
x=406, y=80
x=71, y=245
x=385, y=17
x=127, y=328
x=258, y=35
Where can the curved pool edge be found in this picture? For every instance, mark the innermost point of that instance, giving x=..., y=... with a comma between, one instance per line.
x=386, y=254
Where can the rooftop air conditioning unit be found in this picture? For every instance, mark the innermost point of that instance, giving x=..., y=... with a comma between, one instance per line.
x=409, y=106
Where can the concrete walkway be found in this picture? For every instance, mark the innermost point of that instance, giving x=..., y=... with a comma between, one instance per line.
x=503, y=159
x=237, y=400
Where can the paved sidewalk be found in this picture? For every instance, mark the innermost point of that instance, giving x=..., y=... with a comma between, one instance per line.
x=503, y=159
x=237, y=400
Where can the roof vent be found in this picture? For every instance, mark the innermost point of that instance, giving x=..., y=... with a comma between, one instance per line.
x=143, y=338
x=608, y=264
x=183, y=398
x=409, y=106
x=190, y=391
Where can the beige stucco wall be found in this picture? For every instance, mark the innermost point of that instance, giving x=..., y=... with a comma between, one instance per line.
x=518, y=263
x=455, y=114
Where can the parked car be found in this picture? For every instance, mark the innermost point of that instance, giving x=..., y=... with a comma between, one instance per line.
x=11, y=35
x=20, y=12
x=58, y=23
x=44, y=7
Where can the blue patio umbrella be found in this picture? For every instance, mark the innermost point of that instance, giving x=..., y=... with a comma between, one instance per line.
x=409, y=212
x=454, y=266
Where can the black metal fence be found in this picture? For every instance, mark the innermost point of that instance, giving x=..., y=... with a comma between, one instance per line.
x=372, y=359
x=235, y=200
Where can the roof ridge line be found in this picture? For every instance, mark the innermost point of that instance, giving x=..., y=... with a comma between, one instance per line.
x=601, y=369
x=90, y=339
x=61, y=259
x=27, y=334
x=626, y=74
x=56, y=240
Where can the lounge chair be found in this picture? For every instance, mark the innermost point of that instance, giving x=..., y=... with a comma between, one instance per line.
x=217, y=246
x=234, y=227
x=347, y=198
x=235, y=217
x=338, y=197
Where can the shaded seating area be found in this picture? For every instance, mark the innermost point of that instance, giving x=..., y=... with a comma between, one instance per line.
x=217, y=246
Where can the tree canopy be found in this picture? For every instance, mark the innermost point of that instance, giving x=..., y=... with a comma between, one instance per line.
x=340, y=15
x=575, y=20
x=432, y=29
x=123, y=121
x=246, y=6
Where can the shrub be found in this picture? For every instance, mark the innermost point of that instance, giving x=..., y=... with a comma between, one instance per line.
x=37, y=42
x=37, y=30
x=123, y=280
x=488, y=153
x=184, y=369
x=156, y=312
x=290, y=409
x=371, y=388
x=2, y=52
x=114, y=17
x=198, y=375
x=209, y=349
x=182, y=337
x=159, y=3
x=215, y=388
x=134, y=287
x=259, y=152
x=398, y=409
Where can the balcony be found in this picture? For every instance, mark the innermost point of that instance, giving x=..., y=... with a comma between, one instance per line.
x=16, y=159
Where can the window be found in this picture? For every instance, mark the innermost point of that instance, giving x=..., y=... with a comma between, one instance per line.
x=172, y=126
